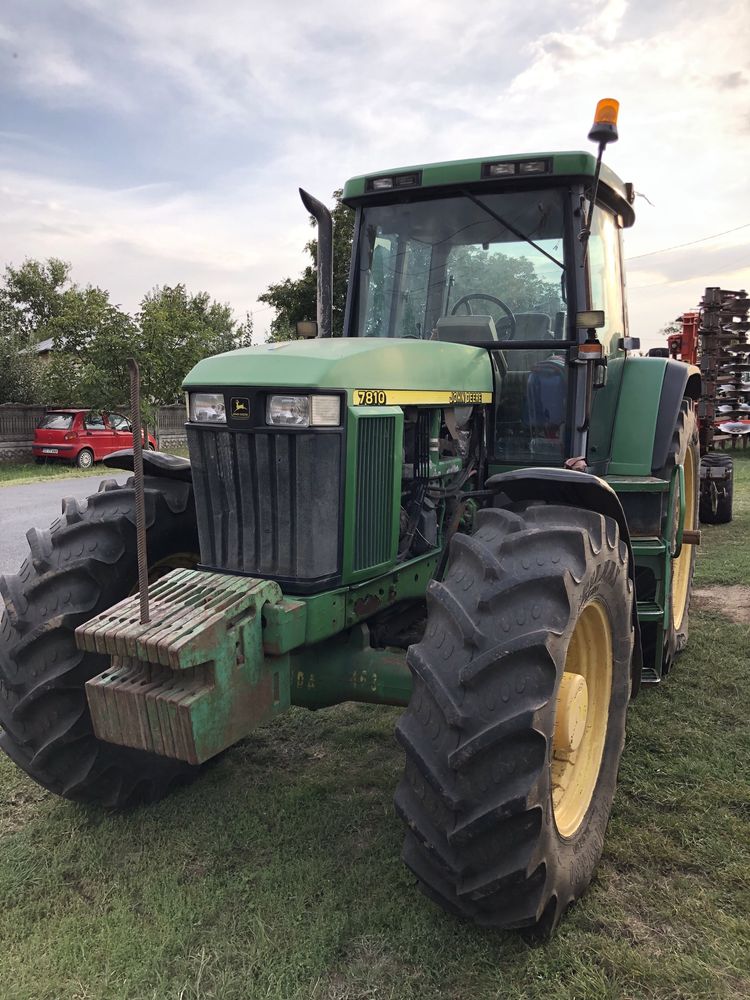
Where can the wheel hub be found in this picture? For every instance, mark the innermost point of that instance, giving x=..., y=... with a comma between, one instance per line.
x=581, y=715
x=572, y=712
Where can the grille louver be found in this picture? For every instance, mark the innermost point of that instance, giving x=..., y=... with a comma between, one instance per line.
x=373, y=529
x=268, y=503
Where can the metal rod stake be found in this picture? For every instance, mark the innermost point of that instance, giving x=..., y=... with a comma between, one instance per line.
x=140, y=498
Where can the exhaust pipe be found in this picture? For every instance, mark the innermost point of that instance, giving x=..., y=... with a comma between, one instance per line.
x=324, y=263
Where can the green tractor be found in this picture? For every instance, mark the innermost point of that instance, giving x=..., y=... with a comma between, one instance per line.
x=477, y=504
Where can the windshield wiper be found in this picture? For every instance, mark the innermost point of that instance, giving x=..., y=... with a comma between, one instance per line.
x=516, y=232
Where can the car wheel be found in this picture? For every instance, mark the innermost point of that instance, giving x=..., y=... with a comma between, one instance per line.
x=85, y=458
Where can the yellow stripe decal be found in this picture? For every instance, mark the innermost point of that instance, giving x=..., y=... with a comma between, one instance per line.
x=419, y=397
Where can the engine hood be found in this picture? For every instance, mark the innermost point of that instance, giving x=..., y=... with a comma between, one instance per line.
x=349, y=363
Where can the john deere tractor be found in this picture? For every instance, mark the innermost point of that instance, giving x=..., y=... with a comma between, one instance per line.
x=476, y=504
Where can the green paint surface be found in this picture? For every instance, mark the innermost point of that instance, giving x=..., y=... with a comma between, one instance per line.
x=636, y=417
x=347, y=668
x=348, y=363
x=453, y=172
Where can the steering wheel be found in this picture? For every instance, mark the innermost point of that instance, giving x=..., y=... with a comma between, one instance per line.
x=465, y=300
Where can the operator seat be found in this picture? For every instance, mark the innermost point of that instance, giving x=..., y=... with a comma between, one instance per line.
x=465, y=329
x=529, y=326
x=546, y=407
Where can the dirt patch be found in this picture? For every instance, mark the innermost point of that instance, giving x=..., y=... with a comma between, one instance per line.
x=732, y=602
x=19, y=807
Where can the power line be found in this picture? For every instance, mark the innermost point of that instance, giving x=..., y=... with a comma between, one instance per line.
x=679, y=246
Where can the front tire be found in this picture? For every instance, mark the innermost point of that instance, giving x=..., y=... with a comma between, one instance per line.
x=86, y=562
x=509, y=779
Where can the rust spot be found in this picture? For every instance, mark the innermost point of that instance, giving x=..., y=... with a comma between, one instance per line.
x=366, y=605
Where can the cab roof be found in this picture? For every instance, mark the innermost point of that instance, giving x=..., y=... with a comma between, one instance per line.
x=571, y=165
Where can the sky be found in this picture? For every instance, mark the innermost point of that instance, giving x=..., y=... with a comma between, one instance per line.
x=156, y=143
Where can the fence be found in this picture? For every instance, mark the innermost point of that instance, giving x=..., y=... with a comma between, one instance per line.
x=17, y=423
x=170, y=427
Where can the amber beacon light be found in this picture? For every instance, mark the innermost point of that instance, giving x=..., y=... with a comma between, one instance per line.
x=604, y=129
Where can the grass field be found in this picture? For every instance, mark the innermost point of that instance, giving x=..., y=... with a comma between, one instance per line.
x=18, y=473
x=278, y=876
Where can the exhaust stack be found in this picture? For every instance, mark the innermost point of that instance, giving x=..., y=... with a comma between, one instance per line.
x=324, y=263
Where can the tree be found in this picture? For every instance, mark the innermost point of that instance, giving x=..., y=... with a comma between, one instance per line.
x=295, y=298
x=92, y=341
x=32, y=296
x=19, y=372
x=176, y=330
x=513, y=279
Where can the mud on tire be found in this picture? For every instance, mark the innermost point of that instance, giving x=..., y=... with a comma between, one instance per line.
x=83, y=564
x=476, y=796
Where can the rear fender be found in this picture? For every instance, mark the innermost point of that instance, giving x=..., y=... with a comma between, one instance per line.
x=651, y=395
x=574, y=489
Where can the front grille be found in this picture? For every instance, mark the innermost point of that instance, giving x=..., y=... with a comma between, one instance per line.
x=374, y=536
x=268, y=503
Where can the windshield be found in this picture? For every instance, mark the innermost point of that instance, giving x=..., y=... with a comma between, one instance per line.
x=419, y=261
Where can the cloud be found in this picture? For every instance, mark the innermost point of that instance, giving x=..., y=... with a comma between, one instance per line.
x=174, y=135
x=730, y=81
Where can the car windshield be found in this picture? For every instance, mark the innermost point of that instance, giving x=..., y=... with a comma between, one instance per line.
x=57, y=422
x=498, y=255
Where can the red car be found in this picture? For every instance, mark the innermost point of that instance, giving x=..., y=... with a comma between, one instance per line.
x=83, y=436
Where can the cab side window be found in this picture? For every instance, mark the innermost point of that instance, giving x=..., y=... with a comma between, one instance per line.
x=606, y=278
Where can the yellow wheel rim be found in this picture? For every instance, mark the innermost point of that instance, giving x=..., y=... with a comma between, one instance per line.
x=581, y=715
x=681, y=567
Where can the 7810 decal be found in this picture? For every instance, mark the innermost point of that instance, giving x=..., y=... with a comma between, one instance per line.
x=419, y=397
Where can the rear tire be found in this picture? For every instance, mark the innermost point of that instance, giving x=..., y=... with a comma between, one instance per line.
x=85, y=563
x=715, y=506
x=490, y=835
x=85, y=458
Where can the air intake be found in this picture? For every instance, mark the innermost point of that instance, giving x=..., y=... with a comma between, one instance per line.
x=374, y=541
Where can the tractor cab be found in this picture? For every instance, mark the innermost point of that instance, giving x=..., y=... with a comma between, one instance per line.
x=489, y=253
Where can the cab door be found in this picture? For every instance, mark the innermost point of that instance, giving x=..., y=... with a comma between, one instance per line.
x=607, y=292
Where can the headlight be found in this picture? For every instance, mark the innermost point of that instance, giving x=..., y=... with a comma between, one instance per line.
x=288, y=411
x=303, y=411
x=206, y=408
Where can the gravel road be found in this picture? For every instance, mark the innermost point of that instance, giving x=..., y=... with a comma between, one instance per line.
x=36, y=505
